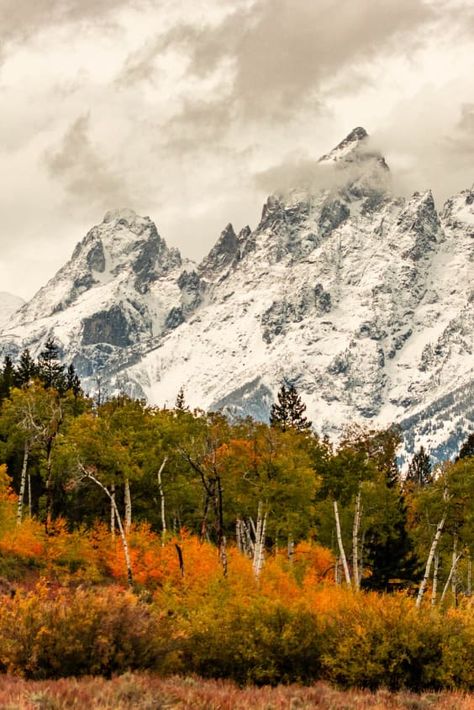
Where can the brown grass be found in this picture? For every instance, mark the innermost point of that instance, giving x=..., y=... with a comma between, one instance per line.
x=145, y=692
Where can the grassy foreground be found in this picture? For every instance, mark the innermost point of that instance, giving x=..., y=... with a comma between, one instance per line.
x=146, y=692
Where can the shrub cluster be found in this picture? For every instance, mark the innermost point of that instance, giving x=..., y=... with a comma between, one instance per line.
x=363, y=640
x=350, y=640
x=47, y=633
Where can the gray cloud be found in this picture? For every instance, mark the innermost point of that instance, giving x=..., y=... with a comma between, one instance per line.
x=298, y=172
x=21, y=19
x=86, y=177
x=461, y=142
x=429, y=141
x=280, y=52
x=214, y=105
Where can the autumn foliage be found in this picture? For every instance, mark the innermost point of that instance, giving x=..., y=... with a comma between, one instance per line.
x=72, y=614
x=136, y=538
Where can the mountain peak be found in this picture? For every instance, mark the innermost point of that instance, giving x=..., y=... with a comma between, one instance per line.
x=358, y=133
x=346, y=147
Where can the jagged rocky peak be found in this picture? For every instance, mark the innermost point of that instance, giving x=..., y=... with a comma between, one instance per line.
x=123, y=246
x=355, y=147
x=458, y=210
x=125, y=241
x=224, y=252
x=361, y=170
x=347, y=146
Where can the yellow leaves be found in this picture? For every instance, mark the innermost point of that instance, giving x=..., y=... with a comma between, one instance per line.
x=70, y=632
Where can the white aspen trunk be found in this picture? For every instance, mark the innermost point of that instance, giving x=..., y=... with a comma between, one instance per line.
x=431, y=554
x=238, y=535
x=256, y=532
x=259, y=541
x=355, y=540
x=454, y=580
x=112, y=511
x=29, y=496
x=434, y=590
x=123, y=536
x=340, y=544
x=162, y=500
x=361, y=560
x=128, y=505
x=337, y=576
x=247, y=542
x=21, y=495
x=262, y=546
x=452, y=571
x=223, y=555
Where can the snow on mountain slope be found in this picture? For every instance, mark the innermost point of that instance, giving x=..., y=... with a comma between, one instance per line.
x=120, y=289
x=9, y=304
x=362, y=299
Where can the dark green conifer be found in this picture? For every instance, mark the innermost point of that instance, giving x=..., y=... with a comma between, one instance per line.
x=7, y=378
x=420, y=469
x=50, y=369
x=467, y=449
x=390, y=553
x=26, y=369
x=288, y=412
x=180, y=403
x=73, y=383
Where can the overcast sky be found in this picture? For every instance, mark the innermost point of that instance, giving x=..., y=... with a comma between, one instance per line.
x=185, y=109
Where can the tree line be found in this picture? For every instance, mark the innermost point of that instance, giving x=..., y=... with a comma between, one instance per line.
x=243, y=484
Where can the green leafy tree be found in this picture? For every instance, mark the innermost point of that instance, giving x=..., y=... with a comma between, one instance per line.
x=30, y=419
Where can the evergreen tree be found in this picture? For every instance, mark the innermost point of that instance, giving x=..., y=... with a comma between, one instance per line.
x=26, y=369
x=50, y=369
x=467, y=449
x=389, y=553
x=73, y=382
x=419, y=470
x=288, y=413
x=7, y=378
x=180, y=403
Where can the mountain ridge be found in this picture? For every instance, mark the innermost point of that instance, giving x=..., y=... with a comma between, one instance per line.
x=359, y=297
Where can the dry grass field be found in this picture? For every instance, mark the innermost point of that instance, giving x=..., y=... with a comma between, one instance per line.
x=147, y=692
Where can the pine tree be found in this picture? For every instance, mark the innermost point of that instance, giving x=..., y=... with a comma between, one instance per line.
x=180, y=403
x=419, y=470
x=288, y=413
x=467, y=449
x=7, y=378
x=73, y=382
x=389, y=553
x=26, y=369
x=50, y=369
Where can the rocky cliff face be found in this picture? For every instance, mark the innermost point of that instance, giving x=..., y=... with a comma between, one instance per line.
x=364, y=300
x=114, y=295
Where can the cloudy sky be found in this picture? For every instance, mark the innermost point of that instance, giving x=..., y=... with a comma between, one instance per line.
x=185, y=110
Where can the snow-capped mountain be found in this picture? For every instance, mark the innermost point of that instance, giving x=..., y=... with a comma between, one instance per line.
x=364, y=300
x=120, y=289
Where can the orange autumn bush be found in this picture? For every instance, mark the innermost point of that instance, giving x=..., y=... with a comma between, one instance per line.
x=293, y=623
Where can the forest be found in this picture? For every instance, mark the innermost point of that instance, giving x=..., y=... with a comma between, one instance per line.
x=183, y=542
